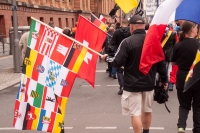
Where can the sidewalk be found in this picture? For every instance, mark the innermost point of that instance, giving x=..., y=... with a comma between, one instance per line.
x=7, y=75
x=6, y=49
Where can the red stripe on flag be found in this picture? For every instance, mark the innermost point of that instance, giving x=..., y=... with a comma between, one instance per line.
x=41, y=33
x=97, y=22
x=26, y=92
x=74, y=58
x=44, y=97
x=16, y=113
x=51, y=124
x=29, y=122
x=152, y=51
x=35, y=73
x=67, y=89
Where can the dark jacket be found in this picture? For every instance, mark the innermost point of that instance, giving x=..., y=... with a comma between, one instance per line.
x=120, y=35
x=108, y=38
x=168, y=47
x=128, y=55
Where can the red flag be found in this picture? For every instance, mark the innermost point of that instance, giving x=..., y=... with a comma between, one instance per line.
x=88, y=32
x=152, y=51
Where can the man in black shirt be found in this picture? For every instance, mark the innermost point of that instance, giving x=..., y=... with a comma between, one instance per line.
x=183, y=55
x=137, y=97
x=118, y=36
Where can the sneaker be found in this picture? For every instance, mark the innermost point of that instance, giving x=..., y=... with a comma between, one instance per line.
x=181, y=130
x=170, y=89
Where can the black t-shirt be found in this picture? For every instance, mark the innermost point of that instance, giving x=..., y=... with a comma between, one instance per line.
x=183, y=55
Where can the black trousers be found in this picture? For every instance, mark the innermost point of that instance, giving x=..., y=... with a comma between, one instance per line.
x=120, y=76
x=188, y=99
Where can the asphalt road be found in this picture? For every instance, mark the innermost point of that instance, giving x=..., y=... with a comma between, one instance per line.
x=97, y=110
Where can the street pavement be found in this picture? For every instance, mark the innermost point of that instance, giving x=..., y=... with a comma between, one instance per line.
x=96, y=110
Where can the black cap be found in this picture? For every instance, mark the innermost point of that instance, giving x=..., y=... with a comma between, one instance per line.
x=135, y=18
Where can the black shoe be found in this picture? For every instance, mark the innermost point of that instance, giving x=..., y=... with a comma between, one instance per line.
x=170, y=89
x=114, y=77
x=107, y=70
x=120, y=92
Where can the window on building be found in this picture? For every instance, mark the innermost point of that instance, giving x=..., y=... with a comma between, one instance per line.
x=72, y=22
x=66, y=22
x=51, y=19
x=29, y=21
x=60, y=22
x=2, y=25
x=42, y=19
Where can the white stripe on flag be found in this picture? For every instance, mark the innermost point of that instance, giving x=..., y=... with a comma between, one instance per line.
x=32, y=87
x=42, y=76
x=33, y=40
x=50, y=105
x=45, y=125
x=58, y=88
x=164, y=11
x=54, y=44
x=43, y=40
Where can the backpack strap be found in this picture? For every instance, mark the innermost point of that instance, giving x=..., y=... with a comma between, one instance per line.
x=167, y=107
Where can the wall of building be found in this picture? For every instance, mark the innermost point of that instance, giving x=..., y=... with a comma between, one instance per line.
x=64, y=13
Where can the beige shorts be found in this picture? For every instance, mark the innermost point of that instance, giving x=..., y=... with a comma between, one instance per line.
x=134, y=103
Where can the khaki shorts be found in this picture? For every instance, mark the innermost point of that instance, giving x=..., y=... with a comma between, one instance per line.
x=134, y=103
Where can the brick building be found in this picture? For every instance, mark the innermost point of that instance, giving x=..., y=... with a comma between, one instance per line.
x=64, y=13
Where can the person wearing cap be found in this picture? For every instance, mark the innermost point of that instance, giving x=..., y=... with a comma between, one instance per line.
x=137, y=97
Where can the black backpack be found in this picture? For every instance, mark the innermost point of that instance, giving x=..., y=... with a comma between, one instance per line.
x=109, y=48
x=161, y=96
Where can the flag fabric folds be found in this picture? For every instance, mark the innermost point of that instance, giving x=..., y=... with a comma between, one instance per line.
x=127, y=5
x=98, y=22
x=188, y=10
x=114, y=10
x=50, y=67
x=139, y=9
x=152, y=51
x=194, y=73
x=93, y=38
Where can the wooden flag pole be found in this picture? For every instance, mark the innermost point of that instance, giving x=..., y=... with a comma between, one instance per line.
x=67, y=37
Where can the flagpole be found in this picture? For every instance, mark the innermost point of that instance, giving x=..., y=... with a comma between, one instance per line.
x=67, y=37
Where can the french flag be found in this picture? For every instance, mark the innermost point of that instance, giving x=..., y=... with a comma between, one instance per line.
x=152, y=51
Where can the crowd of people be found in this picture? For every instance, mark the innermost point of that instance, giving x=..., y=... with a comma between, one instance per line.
x=180, y=44
x=122, y=50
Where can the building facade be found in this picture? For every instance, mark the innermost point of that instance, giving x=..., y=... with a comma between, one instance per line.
x=64, y=13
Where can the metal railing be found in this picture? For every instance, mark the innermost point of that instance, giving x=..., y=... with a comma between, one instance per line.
x=2, y=43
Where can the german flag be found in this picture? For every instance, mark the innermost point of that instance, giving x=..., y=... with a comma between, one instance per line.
x=75, y=57
x=98, y=23
x=194, y=73
x=29, y=62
